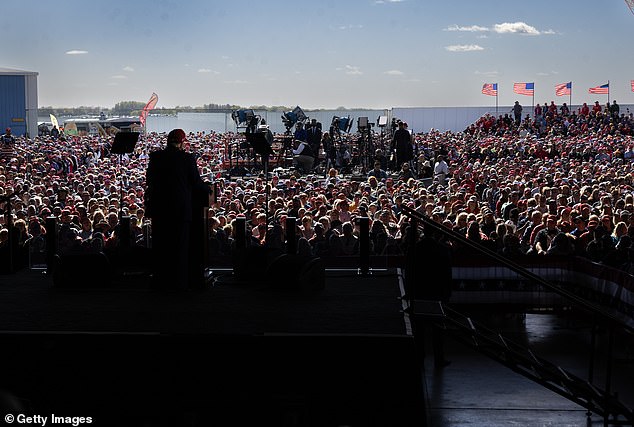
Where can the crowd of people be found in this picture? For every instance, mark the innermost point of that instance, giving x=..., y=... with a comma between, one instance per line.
x=559, y=182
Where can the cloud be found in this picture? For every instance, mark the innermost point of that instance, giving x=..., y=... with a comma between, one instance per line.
x=412, y=80
x=128, y=69
x=516, y=28
x=504, y=28
x=393, y=73
x=353, y=70
x=470, y=28
x=388, y=1
x=76, y=52
x=207, y=70
x=350, y=27
x=119, y=77
x=544, y=73
x=464, y=48
x=236, y=82
x=487, y=73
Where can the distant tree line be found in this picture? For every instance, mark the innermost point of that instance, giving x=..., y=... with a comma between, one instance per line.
x=133, y=108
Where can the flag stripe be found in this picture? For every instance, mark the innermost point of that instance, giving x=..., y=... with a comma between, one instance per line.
x=563, y=89
x=632, y=83
x=490, y=89
x=524, y=88
x=600, y=90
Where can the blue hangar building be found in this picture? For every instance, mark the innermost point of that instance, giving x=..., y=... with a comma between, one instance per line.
x=18, y=101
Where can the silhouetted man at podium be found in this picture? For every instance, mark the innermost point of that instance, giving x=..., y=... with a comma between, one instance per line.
x=173, y=184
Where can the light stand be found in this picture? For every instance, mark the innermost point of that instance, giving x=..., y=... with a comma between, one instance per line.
x=366, y=152
x=290, y=119
x=242, y=118
x=337, y=126
x=381, y=122
x=246, y=120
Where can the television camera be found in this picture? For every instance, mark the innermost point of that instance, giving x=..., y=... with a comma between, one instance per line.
x=341, y=124
x=243, y=151
x=364, y=124
x=394, y=125
x=291, y=118
x=244, y=118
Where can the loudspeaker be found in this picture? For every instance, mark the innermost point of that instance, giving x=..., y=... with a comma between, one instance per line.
x=363, y=122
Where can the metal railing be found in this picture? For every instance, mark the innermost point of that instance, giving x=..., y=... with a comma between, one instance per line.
x=601, y=316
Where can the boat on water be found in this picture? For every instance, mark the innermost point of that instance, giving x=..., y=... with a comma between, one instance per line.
x=96, y=126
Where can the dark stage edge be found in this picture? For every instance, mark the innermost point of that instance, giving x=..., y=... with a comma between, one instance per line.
x=233, y=355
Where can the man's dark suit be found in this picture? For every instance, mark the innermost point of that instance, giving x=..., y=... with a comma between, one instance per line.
x=402, y=144
x=314, y=141
x=173, y=182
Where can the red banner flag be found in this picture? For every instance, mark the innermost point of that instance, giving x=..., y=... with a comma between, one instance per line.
x=148, y=107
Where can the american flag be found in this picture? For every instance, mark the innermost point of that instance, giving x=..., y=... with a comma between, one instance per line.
x=601, y=90
x=632, y=83
x=524, y=88
x=563, y=89
x=491, y=89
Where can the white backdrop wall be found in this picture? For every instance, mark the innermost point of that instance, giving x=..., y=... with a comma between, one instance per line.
x=457, y=119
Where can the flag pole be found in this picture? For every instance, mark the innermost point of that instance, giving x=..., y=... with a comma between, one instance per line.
x=496, y=99
x=570, y=100
x=608, y=91
x=533, y=105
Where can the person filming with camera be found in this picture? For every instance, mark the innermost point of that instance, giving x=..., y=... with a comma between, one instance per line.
x=303, y=155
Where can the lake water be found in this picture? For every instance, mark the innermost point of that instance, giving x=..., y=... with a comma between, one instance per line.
x=221, y=122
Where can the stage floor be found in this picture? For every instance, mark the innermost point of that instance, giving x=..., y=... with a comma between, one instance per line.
x=233, y=355
x=349, y=304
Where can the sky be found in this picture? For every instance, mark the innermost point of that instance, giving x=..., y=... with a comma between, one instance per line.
x=318, y=54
